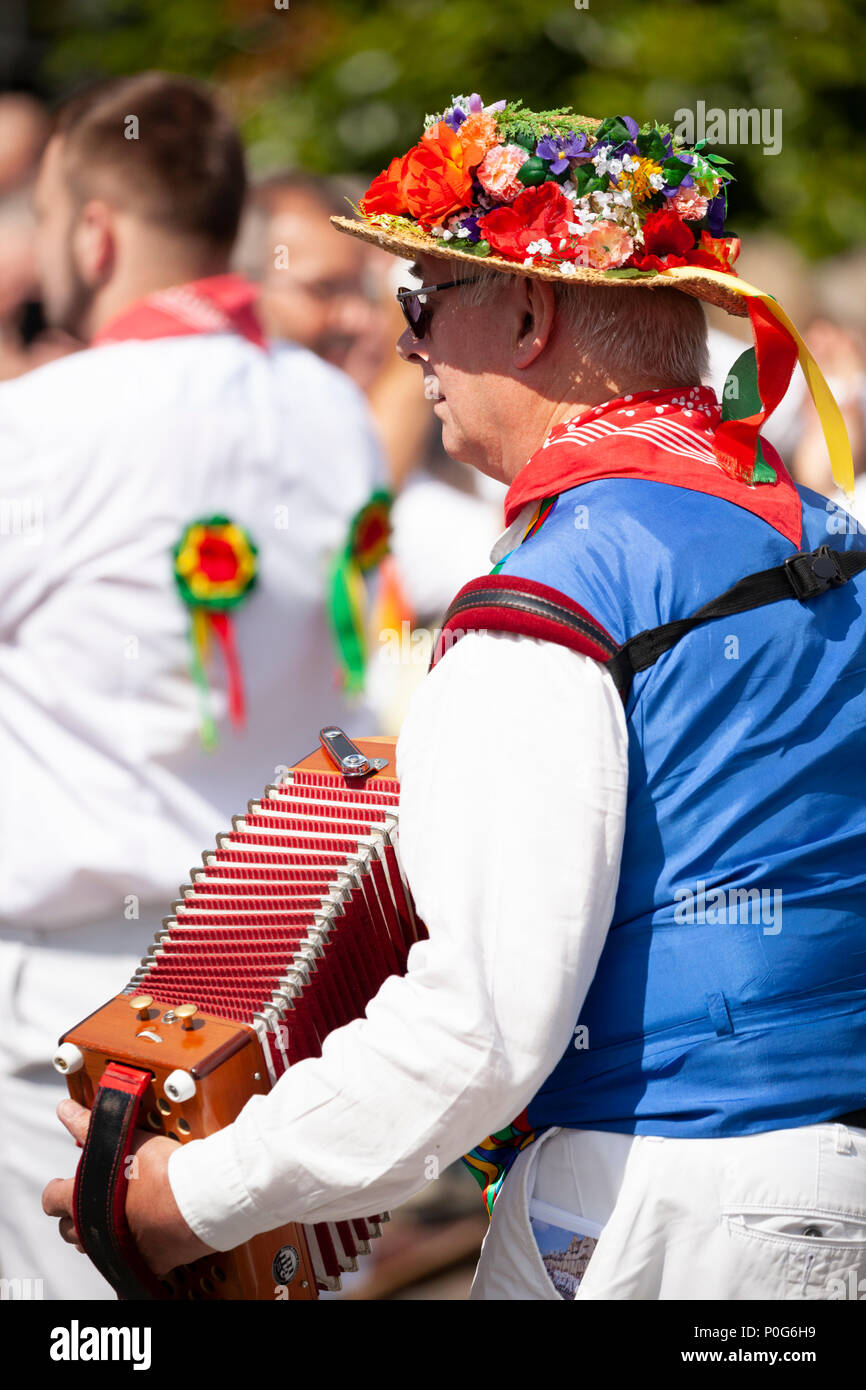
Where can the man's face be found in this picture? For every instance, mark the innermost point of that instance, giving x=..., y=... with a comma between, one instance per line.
x=315, y=288
x=464, y=358
x=65, y=294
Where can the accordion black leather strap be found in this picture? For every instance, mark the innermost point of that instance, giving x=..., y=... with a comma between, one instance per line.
x=99, y=1202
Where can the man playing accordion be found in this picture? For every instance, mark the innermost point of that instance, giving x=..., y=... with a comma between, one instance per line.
x=637, y=842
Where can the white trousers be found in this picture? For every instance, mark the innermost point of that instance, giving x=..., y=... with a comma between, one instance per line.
x=49, y=981
x=780, y=1215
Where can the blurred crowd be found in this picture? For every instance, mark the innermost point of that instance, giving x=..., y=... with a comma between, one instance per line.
x=334, y=296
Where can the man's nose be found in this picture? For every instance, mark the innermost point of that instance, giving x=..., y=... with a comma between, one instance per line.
x=410, y=348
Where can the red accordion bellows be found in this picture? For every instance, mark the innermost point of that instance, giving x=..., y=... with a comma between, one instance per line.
x=285, y=933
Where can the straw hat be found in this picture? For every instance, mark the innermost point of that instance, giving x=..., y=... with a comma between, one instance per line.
x=603, y=202
x=560, y=197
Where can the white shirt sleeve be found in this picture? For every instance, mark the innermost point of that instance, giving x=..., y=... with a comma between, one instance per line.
x=513, y=770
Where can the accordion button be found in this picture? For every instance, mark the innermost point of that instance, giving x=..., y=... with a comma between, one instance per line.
x=68, y=1059
x=186, y=1013
x=141, y=1004
x=179, y=1086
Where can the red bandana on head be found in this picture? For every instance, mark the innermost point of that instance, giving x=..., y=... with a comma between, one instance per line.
x=662, y=436
x=217, y=304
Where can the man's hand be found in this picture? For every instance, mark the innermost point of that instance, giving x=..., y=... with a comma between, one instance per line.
x=160, y=1232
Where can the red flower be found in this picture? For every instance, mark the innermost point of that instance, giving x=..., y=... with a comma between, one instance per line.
x=542, y=212
x=667, y=241
x=437, y=175
x=716, y=253
x=217, y=559
x=385, y=193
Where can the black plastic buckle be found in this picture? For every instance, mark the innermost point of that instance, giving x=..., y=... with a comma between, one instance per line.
x=812, y=572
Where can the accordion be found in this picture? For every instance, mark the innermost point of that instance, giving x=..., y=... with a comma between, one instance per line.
x=285, y=933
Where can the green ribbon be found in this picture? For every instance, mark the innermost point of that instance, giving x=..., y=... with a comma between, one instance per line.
x=747, y=402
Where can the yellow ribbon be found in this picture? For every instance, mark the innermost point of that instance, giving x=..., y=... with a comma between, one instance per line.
x=829, y=414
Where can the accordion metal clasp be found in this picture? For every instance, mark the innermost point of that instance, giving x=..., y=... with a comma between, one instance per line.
x=346, y=755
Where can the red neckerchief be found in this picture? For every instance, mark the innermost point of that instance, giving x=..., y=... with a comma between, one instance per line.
x=217, y=304
x=663, y=436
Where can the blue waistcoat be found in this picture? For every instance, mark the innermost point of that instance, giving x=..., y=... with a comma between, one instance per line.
x=730, y=996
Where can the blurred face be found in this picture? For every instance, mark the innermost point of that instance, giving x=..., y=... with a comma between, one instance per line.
x=66, y=295
x=466, y=364
x=315, y=289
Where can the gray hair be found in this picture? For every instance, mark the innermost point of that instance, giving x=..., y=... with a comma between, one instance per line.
x=659, y=333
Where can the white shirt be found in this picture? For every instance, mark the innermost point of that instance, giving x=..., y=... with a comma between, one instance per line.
x=107, y=797
x=513, y=770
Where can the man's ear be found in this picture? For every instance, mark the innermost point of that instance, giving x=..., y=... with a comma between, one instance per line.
x=93, y=242
x=537, y=304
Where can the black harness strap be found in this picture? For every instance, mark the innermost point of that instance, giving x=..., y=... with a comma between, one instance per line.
x=802, y=576
x=501, y=603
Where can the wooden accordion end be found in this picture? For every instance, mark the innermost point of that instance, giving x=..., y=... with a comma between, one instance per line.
x=286, y=932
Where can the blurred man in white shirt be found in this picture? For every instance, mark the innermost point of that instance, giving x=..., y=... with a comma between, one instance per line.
x=178, y=411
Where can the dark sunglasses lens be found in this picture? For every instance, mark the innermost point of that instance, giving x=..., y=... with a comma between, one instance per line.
x=414, y=312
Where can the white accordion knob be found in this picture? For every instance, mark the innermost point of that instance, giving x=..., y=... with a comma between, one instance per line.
x=179, y=1086
x=68, y=1059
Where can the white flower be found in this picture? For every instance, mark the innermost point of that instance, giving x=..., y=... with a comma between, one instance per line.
x=529, y=260
x=623, y=199
x=541, y=247
x=568, y=268
x=628, y=163
x=657, y=182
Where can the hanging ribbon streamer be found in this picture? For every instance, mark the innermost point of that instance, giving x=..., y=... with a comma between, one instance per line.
x=215, y=569
x=366, y=546
x=776, y=343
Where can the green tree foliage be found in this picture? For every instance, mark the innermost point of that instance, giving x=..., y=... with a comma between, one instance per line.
x=342, y=85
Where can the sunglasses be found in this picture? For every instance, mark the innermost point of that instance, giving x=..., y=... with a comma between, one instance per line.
x=418, y=314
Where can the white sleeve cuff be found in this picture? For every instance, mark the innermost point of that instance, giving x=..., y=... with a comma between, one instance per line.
x=207, y=1181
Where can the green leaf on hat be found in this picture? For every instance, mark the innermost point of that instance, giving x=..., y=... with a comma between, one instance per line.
x=630, y=273
x=586, y=180
x=533, y=172
x=675, y=171
x=612, y=131
x=651, y=145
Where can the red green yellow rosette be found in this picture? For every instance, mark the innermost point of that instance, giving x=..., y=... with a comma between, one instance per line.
x=365, y=548
x=215, y=569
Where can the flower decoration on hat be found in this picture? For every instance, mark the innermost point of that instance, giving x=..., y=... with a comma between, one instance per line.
x=215, y=568
x=473, y=182
x=559, y=196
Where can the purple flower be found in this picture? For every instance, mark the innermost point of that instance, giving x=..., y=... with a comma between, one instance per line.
x=716, y=215
x=468, y=227
x=475, y=103
x=559, y=150
x=455, y=117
